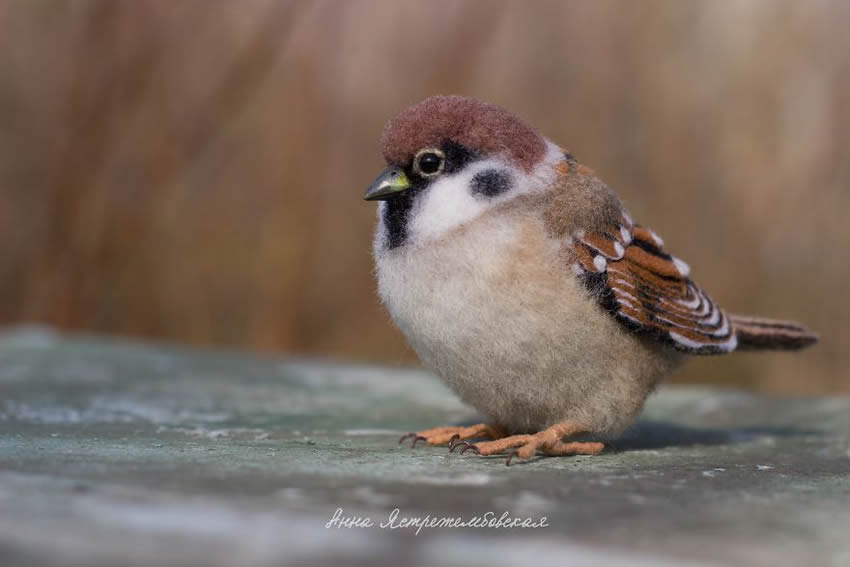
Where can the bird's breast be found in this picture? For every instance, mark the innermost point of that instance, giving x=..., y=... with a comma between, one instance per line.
x=494, y=292
x=494, y=309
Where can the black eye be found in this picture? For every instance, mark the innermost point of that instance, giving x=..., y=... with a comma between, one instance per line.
x=429, y=162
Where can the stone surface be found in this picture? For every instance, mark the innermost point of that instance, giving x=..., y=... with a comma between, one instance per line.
x=119, y=453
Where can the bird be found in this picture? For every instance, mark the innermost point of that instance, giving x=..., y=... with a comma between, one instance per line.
x=520, y=278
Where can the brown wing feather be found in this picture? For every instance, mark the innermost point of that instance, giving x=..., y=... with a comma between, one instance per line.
x=648, y=290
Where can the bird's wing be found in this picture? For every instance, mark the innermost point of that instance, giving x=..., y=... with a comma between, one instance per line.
x=648, y=290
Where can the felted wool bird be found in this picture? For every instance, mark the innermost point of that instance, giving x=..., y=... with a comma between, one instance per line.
x=520, y=278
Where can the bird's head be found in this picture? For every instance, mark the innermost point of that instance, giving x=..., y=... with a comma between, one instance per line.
x=450, y=159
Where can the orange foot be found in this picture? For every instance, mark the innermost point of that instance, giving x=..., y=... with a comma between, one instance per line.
x=549, y=441
x=454, y=434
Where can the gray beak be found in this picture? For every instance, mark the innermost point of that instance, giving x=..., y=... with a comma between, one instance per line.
x=391, y=182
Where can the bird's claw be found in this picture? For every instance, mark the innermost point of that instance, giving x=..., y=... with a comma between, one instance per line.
x=470, y=447
x=416, y=438
x=467, y=446
x=453, y=441
x=511, y=455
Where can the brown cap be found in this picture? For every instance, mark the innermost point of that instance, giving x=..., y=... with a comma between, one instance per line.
x=481, y=127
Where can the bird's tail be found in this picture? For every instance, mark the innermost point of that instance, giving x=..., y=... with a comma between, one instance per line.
x=759, y=333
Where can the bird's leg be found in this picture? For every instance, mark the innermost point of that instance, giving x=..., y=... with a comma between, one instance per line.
x=550, y=441
x=560, y=448
x=454, y=434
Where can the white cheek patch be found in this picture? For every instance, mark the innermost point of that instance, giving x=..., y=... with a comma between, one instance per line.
x=449, y=203
x=444, y=206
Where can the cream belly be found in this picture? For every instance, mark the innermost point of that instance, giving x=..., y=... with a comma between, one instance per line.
x=495, y=310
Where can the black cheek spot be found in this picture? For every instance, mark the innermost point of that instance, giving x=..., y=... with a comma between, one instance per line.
x=491, y=182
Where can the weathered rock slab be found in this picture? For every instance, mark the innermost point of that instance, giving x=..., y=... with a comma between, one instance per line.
x=122, y=453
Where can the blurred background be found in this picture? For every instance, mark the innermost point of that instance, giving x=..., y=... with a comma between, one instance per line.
x=192, y=171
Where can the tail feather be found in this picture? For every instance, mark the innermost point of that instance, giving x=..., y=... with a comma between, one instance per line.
x=759, y=333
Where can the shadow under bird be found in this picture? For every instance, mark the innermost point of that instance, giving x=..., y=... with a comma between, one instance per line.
x=519, y=277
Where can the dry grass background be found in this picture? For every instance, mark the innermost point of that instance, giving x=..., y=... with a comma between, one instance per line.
x=193, y=170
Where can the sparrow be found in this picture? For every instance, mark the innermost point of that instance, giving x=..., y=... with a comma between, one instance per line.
x=520, y=278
